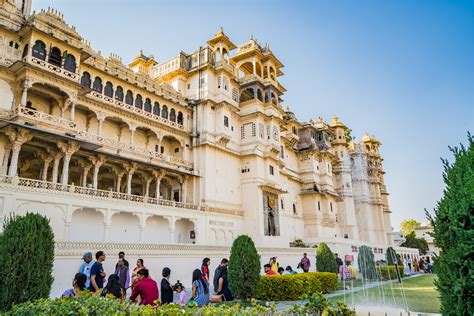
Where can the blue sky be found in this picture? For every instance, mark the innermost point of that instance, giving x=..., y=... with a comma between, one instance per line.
x=401, y=70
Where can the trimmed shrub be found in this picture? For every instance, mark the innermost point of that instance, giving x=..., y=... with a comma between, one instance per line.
x=366, y=263
x=389, y=272
x=244, y=268
x=453, y=231
x=317, y=304
x=391, y=255
x=26, y=259
x=325, y=259
x=292, y=287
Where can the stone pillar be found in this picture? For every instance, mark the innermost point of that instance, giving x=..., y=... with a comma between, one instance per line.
x=18, y=137
x=57, y=159
x=147, y=186
x=133, y=128
x=85, y=173
x=97, y=162
x=107, y=221
x=254, y=65
x=6, y=157
x=24, y=95
x=158, y=174
x=183, y=181
x=130, y=169
x=172, y=220
x=44, y=173
x=118, y=182
x=101, y=118
x=68, y=150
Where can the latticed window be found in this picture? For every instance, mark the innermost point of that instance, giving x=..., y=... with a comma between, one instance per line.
x=261, y=130
x=55, y=57
x=235, y=95
x=70, y=63
x=180, y=118
x=86, y=79
x=139, y=102
x=119, y=93
x=97, y=85
x=164, y=112
x=226, y=121
x=156, y=109
x=108, y=89
x=39, y=50
x=129, y=97
x=276, y=133
x=147, y=107
x=219, y=82
x=172, y=115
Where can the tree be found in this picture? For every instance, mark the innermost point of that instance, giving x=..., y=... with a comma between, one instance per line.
x=366, y=263
x=408, y=226
x=244, y=268
x=453, y=231
x=391, y=254
x=26, y=259
x=325, y=259
x=412, y=242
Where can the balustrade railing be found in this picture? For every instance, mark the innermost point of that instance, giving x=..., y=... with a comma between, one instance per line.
x=52, y=68
x=81, y=134
x=33, y=185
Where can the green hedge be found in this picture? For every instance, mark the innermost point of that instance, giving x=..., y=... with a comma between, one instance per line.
x=384, y=271
x=292, y=287
x=95, y=305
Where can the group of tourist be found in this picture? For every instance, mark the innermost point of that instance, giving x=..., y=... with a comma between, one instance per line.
x=273, y=267
x=144, y=289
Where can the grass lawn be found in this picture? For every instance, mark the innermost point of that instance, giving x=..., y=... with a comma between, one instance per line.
x=420, y=294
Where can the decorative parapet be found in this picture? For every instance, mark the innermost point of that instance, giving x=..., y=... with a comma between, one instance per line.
x=25, y=184
x=74, y=76
x=45, y=118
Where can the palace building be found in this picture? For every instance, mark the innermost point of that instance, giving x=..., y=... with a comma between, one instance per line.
x=195, y=150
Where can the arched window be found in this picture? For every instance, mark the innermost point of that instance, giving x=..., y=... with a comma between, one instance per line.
x=156, y=109
x=109, y=89
x=139, y=102
x=172, y=115
x=55, y=57
x=119, y=94
x=39, y=50
x=147, y=105
x=164, y=112
x=129, y=98
x=180, y=118
x=86, y=79
x=70, y=63
x=97, y=85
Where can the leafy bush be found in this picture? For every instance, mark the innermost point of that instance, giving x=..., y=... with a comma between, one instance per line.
x=96, y=305
x=292, y=287
x=244, y=268
x=325, y=259
x=26, y=259
x=317, y=304
x=298, y=243
x=390, y=255
x=453, y=231
x=412, y=242
x=389, y=272
x=366, y=263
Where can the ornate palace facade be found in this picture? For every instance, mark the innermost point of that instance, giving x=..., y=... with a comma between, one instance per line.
x=198, y=149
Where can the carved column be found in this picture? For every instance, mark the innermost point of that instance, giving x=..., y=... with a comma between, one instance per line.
x=182, y=182
x=97, y=162
x=158, y=174
x=133, y=128
x=44, y=173
x=6, y=157
x=172, y=220
x=118, y=182
x=130, y=169
x=24, y=95
x=86, y=167
x=72, y=100
x=57, y=159
x=68, y=150
x=147, y=186
x=101, y=118
x=17, y=138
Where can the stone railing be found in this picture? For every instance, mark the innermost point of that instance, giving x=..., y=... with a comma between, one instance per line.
x=220, y=64
x=74, y=76
x=83, y=135
x=130, y=108
x=91, y=193
x=44, y=117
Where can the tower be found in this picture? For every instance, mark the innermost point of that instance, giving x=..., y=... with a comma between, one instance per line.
x=24, y=6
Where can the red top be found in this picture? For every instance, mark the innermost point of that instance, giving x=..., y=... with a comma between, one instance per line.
x=148, y=291
x=270, y=272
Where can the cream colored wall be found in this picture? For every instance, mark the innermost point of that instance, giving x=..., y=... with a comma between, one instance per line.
x=6, y=96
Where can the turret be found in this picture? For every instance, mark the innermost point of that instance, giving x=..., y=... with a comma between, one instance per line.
x=143, y=64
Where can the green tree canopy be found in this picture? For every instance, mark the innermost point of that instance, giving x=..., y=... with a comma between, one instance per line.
x=325, y=259
x=26, y=259
x=408, y=226
x=453, y=231
x=244, y=268
x=412, y=242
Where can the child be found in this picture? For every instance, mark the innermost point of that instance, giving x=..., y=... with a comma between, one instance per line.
x=179, y=288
